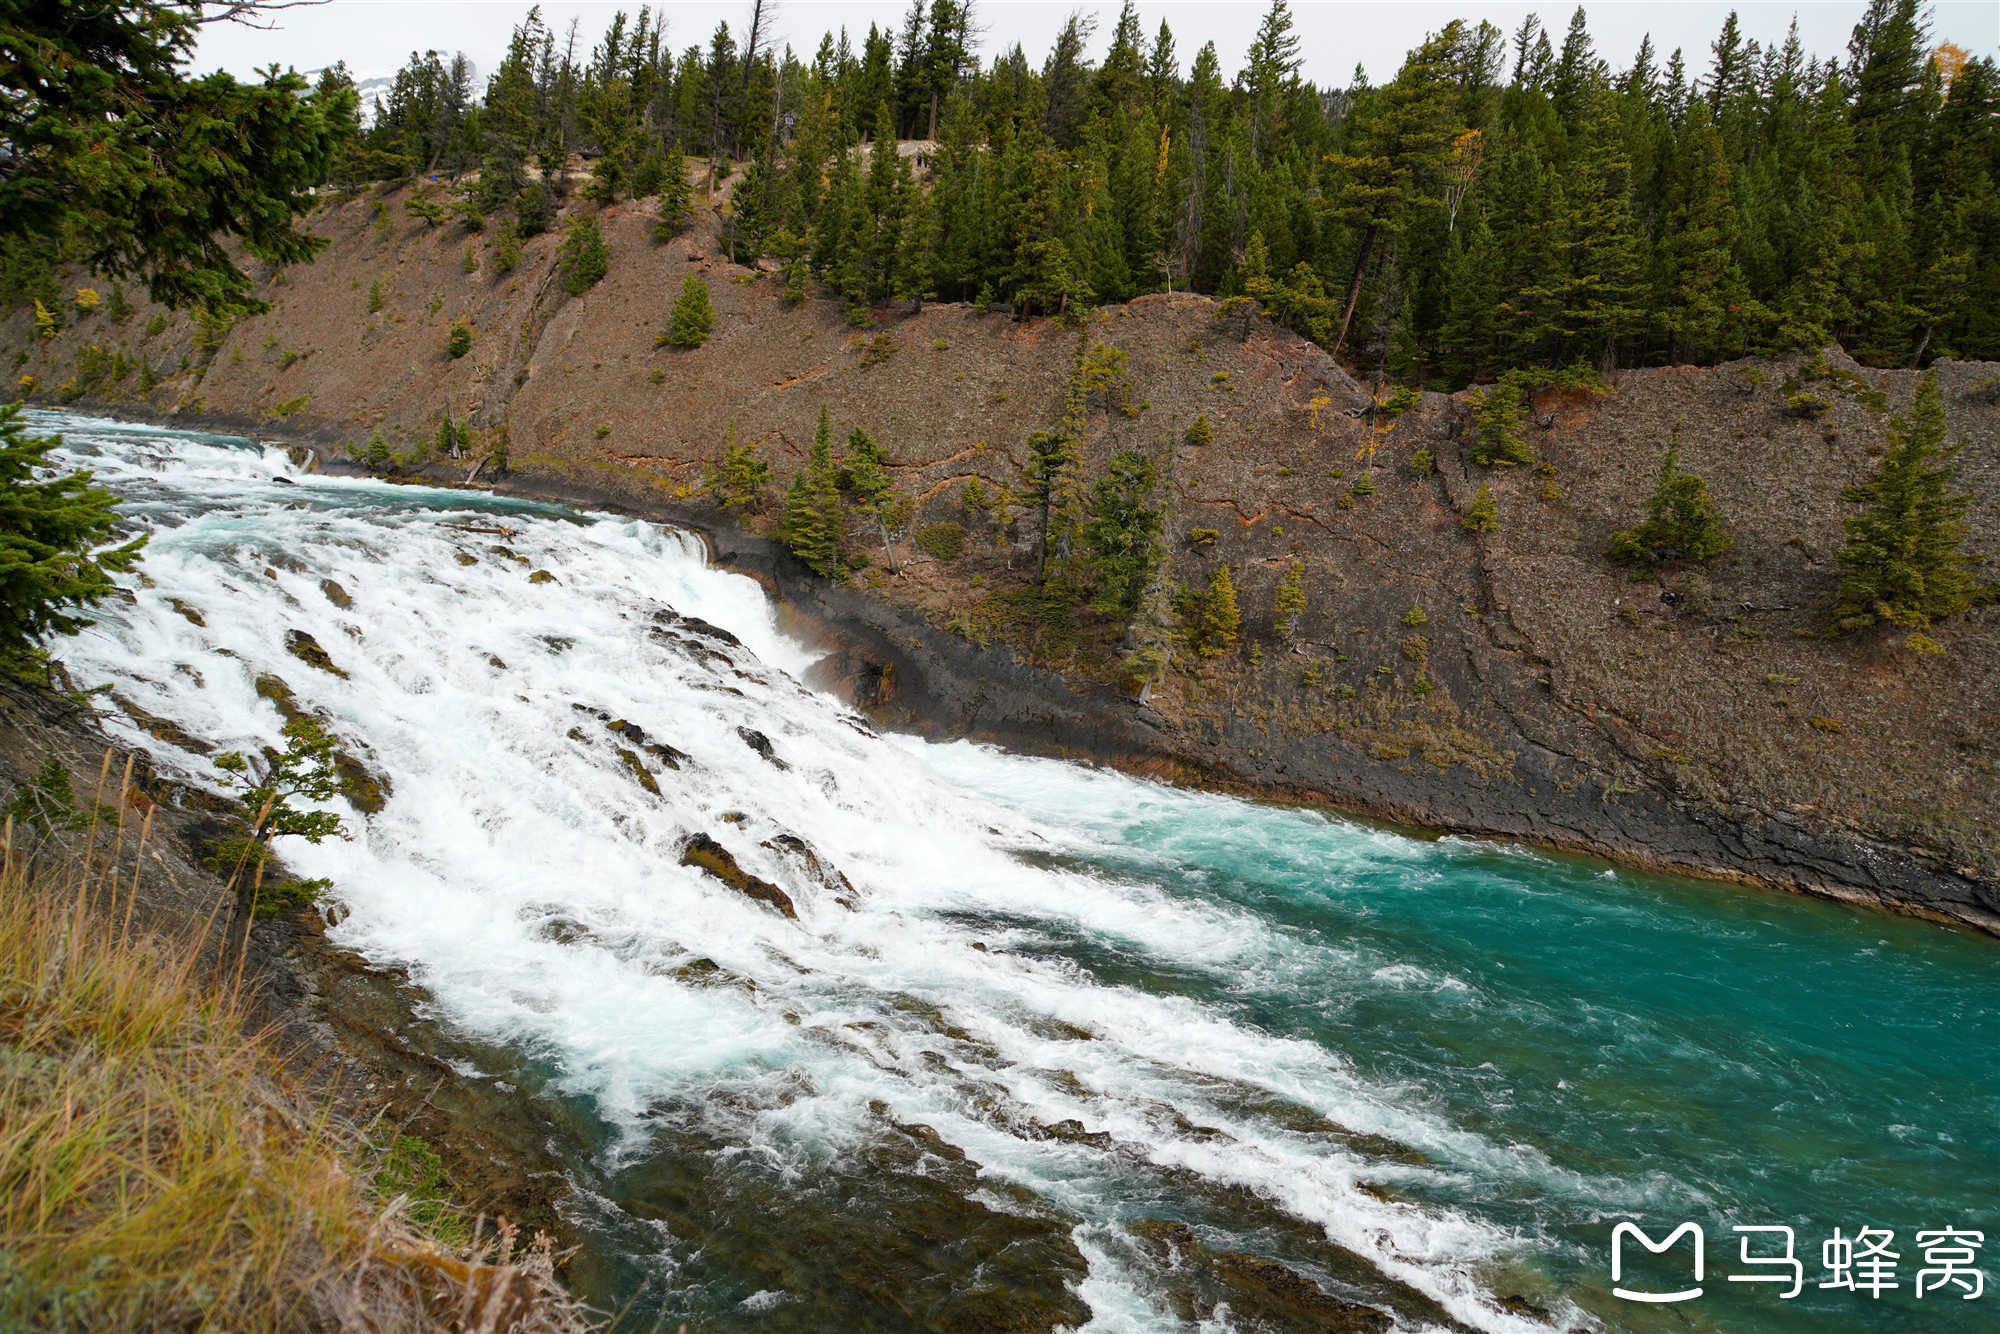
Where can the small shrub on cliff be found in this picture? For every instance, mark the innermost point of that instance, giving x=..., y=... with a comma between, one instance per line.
x=459, y=341
x=739, y=479
x=376, y=452
x=1218, y=620
x=1289, y=603
x=533, y=210
x=1681, y=521
x=270, y=789
x=1423, y=463
x=693, y=317
x=429, y=210
x=942, y=541
x=375, y=296
x=1200, y=433
x=1483, y=517
x=506, y=247
x=585, y=261
x=1500, y=411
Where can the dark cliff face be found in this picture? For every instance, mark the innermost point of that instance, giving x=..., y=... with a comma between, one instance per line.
x=1512, y=681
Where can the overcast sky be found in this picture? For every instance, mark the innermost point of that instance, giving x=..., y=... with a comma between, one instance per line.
x=374, y=37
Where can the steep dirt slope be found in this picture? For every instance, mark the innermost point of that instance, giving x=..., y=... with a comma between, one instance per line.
x=1513, y=682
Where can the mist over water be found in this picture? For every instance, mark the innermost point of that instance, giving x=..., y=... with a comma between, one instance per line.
x=1429, y=1074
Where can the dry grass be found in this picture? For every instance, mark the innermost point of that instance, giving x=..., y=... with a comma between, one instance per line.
x=159, y=1171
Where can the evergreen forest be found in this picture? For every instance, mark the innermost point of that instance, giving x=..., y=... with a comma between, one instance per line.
x=1505, y=202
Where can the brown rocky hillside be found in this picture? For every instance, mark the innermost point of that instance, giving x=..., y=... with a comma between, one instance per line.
x=1512, y=682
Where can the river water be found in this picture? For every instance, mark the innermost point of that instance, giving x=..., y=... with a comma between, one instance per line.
x=1047, y=1002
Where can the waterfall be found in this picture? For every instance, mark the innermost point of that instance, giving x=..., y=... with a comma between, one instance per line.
x=1068, y=999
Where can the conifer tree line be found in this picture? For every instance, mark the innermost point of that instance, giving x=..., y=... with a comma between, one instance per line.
x=1506, y=201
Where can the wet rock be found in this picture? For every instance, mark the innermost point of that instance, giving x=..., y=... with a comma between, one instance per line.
x=734, y=817
x=562, y=931
x=191, y=613
x=1069, y=1131
x=640, y=772
x=704, y=853
x=543, y=577
x=465, y=558
x=823, y=873
x=335, y=594
x=367, y=789
x=495, y=661
x=1260, y=1296
x=706, y=972
x=760, y=743
x=1058, y=1030
x=1518, y=1305
x=696, y=625
x=558, y=644
x=272, y=687
x=894, y=1234
x=670, y=756
x=508, y=553
x=308, y=651
x=162, y=729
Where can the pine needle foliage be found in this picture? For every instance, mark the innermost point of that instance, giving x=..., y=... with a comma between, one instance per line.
x=1904, y=563
x=1681, y=523
x=693, y=316
x=54, y=562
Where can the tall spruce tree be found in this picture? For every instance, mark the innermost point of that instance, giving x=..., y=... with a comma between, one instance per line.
x=1904, y=563
x=815, y=519
x=1122, y=535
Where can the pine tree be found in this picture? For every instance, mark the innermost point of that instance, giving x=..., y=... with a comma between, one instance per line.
x=1681, y=521
x=1500, y=410
x=1699, y=291
x=1122, y=535
x=1052, y=463
x=676, y=195
x=585, y=260
x=1219, y=620
x=1399, y=148
x=693, y=317
x=146, y=173
x=738, y=482
x=52, y=561
x=815, y=518
x=864, y=476
x=1289, y=603
x=1904, y=562
x=1483, y=516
